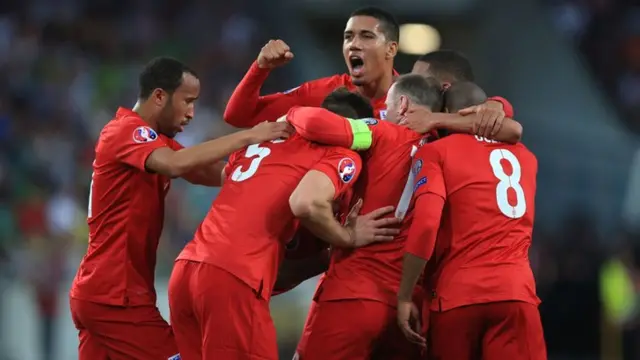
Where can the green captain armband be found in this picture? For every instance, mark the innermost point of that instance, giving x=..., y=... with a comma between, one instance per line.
x=362, y=135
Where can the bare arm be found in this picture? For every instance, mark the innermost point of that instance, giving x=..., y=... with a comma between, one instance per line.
x=208, y=175
x=172, y=163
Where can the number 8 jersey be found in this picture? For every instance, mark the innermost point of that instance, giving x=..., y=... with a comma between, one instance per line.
x=250, y=222
x=482, y=249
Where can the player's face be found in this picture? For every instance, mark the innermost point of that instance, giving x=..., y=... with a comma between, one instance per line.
x=397, y=105
x=179, y=108
x=366, y=50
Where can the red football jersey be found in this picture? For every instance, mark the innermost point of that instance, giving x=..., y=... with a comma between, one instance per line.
x=125, y=215
x=250, y=222
x=247, y=108
x=481, y=252
x=374, y=271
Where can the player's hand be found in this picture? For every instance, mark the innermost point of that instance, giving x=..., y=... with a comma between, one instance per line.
x=275, y=53
x=409, y=322
x=489, y=119
x=371, y=227
x=419, y=120
x=266, y=131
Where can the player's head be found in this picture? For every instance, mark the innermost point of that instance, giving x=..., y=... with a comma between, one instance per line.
x=370, y=43
x=462, y=95
x=348, y=104
x=447, y=66
x=413, y=90
x=170, y=89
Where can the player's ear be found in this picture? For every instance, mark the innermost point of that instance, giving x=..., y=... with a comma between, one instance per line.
x=159, y=96
x=404, y=105
x=392, y=50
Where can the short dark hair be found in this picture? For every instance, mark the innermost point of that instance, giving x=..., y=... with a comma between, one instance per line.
x=348, y=104
x=425, y=91
x=449, y=64
x=463, y=94
x=388, y=23
x=162, y=73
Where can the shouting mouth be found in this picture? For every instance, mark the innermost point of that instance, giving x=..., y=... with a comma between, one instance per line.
x=357, y=65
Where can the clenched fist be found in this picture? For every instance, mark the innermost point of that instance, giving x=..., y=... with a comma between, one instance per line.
x=275, y=53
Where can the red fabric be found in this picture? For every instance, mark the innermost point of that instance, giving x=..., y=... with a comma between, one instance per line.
x=506, y=105
x=247, y=108
x=250, y=221
x=369, y=333
x=485, y=232
x=126, y=212
x=215, y=315
x=114, y=332
x=321, y=125
x=495, y=331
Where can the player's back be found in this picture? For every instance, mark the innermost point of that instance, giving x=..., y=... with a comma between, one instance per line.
x=374, y=271
x=250, y=220
x=482, y=248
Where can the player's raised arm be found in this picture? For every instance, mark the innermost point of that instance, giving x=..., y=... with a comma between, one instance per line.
x=164, y=160
x=430, y=197
x=246, y=107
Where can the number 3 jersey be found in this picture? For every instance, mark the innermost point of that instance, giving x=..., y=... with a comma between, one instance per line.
x=482, y=249
x=250, y=222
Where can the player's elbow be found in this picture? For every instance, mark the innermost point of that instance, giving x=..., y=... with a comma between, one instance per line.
x=515, y=132
x=306, y=207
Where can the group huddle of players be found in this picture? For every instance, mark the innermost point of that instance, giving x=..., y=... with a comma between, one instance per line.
x=411, y=194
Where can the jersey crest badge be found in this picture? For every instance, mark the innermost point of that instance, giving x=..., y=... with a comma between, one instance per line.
x=383, y=114
x=370, y=121
x=291, y=90
x=175, y=357
x=417, y=166
x=346, y=169
x=420, y=182
x=144, y=134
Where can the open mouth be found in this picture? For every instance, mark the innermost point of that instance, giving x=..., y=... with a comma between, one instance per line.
x=357, y=65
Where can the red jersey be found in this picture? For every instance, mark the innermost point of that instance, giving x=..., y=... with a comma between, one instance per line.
x=481, y=252
x=125, y=215
x=247, y=108
x=374, y=271
x=250, y=221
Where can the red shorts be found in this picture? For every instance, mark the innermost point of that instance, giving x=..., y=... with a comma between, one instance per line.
x=353, y=329
x=110, y=332
x=492, y=331
x=217, y=316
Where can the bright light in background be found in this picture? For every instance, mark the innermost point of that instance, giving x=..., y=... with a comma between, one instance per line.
x=418, y=39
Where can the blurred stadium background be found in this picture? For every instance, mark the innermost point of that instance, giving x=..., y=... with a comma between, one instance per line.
x=570, y=67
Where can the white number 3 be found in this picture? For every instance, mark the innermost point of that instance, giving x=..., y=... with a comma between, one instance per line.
x=253, y=150
x=508, y=181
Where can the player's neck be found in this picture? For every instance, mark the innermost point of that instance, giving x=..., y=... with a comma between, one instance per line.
x=377, y=89
x=145, y=114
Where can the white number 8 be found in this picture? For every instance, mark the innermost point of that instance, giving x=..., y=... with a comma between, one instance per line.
x=253, y=150
x=508, y=181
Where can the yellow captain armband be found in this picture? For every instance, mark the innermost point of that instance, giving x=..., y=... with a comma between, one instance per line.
x=362, y=135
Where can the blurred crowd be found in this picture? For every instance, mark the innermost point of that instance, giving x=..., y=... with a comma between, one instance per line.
x=67, y=66
x=607, y=32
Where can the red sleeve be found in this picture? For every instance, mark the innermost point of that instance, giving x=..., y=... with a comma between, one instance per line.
x=506, y=105
x=342, y=166
x=321, y=125
x=427, y=165
x=424, y=227
x=134, y=142
x=247, y=108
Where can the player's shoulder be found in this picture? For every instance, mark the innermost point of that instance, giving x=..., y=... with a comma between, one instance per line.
x=327, y=83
